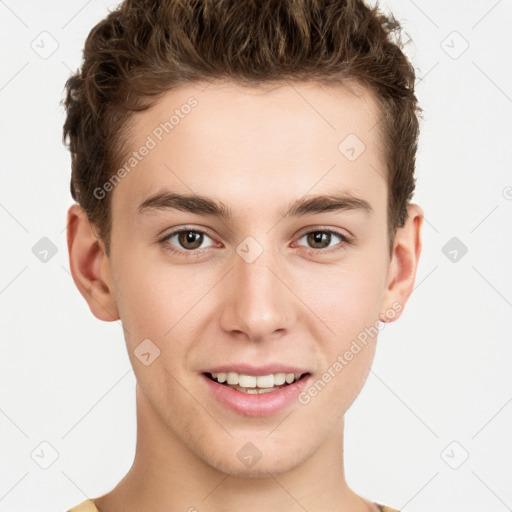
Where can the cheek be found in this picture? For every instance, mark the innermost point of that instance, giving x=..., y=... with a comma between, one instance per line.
x=158, y=301
x=148, y=301
x=350, y=298
x=349, y=304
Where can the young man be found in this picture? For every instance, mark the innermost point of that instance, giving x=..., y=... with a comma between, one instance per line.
x=243, y=174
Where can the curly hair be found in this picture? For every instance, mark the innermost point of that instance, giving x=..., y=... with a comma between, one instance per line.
x=144, y=48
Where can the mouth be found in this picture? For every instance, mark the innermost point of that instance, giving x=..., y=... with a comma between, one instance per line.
x=256, y=385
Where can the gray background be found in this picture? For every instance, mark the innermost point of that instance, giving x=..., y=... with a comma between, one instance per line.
x=430, y=430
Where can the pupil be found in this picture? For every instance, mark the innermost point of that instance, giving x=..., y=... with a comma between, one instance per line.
x=316, y=238
x=189, y=237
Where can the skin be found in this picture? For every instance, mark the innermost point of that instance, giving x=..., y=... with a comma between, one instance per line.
x=256, y=151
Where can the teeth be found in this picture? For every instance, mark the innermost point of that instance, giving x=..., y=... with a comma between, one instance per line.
x=263, y=381
x=251, y=381
x=246, y=381
x=279, y=379
x=255, y=391
x=232, y=378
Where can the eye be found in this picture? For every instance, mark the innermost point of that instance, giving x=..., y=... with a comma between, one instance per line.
x=321, y=239
x=188, y=239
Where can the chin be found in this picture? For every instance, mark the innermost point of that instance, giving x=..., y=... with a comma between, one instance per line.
x=259, y=470
x=272, y=461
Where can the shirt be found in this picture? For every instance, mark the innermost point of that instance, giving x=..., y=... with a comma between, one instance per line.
x=89, y=506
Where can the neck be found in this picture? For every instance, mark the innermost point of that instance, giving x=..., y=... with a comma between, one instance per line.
x=167, y=475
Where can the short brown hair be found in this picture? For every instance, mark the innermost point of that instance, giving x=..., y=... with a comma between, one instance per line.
x=144, y=48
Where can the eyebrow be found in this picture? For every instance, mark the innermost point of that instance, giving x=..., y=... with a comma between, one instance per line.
x=203, y=205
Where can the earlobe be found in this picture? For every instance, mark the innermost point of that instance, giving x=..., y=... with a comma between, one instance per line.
x=403, y=265
x=89, y=265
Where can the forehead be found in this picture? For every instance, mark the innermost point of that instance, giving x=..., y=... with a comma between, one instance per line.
x=246, y=143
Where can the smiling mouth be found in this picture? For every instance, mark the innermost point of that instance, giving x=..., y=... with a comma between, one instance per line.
x=256, y=385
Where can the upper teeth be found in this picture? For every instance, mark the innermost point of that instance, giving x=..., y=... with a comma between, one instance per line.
x=261, y=381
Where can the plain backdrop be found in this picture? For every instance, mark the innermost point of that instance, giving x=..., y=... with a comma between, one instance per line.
x=431, y=428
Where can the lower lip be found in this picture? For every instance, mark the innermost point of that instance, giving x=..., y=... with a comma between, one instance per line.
x=254, y=404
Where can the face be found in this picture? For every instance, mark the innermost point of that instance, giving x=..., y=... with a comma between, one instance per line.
x=258, y=273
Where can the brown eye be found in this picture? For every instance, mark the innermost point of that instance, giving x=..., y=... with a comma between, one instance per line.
x=184, y=241
x=190, y=239
x=322, y=239
x=319, y=239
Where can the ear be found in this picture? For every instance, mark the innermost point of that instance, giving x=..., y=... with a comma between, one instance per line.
x=90, y=267
x=403, y=265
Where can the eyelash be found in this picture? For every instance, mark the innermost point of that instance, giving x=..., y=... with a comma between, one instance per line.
x=345, y=241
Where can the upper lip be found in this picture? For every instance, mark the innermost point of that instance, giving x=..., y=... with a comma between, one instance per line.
x=247, y=369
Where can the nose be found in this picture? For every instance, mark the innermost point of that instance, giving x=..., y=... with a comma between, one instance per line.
x=258, y=304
